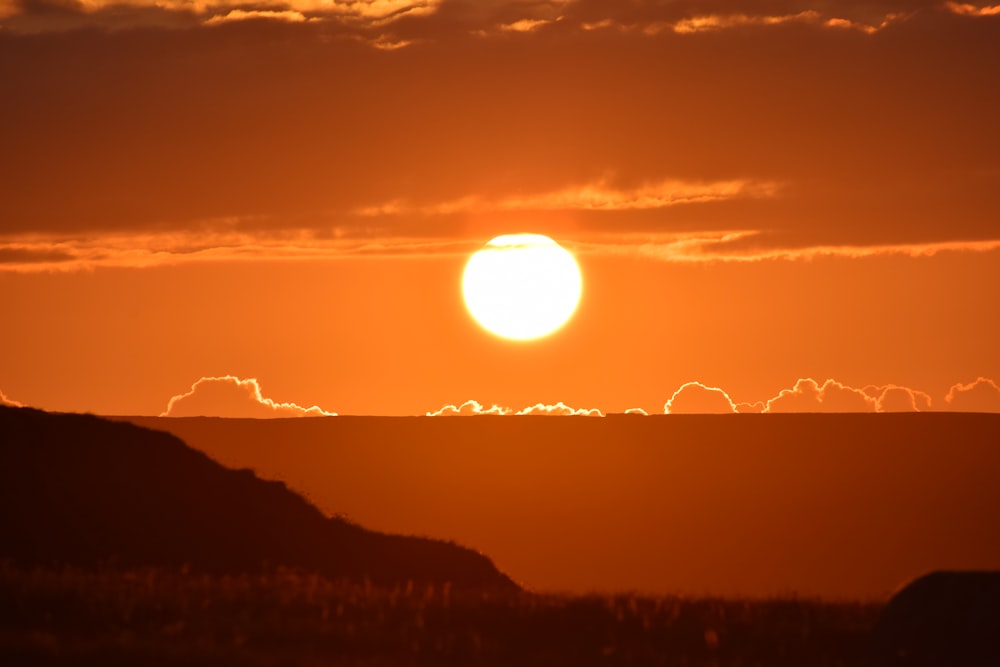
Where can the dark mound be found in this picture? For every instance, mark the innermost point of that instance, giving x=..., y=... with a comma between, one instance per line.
x=84, y=491
x=942, y=619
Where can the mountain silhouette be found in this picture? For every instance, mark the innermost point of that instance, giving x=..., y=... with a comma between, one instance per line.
x=84, y=491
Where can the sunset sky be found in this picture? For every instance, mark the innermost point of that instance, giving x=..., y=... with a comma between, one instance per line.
x=778, y=205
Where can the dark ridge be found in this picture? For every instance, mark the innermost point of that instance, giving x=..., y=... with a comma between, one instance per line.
x=84, y=491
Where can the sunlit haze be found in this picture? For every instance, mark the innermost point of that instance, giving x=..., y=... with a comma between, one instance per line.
x=772, y=208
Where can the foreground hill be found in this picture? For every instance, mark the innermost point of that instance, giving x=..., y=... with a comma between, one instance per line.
x=80, y=490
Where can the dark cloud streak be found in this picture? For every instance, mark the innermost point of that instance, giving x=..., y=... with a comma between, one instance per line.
x=883, y=138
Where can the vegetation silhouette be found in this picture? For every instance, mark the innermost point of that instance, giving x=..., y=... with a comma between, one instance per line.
x=157, y=618
x=941, y=619
x=84, y=491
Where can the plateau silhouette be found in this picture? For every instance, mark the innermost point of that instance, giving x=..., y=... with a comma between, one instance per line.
x=844, y=506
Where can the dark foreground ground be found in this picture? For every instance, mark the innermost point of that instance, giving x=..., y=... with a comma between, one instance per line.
x=158, y=617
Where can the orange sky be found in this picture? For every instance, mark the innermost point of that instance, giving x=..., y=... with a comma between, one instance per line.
x=758, y=193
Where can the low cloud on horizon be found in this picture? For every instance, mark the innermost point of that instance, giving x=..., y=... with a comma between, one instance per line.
x=806, y=395
x=230, y=396
x=472, y=408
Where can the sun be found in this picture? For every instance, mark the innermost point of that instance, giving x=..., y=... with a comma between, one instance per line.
x=522, y=286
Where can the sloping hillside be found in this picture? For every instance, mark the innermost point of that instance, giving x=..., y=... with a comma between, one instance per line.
x=80, y=490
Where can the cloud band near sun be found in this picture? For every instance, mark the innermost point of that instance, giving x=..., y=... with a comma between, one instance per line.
x=397, y=126
x=491, y=18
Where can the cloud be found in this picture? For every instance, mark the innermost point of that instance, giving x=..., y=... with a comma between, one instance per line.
x=809, y=396
x=488, y=18
x=268, y=14
x=560, y=409
x=468, y=409
x=712, y=22
x=982, y=395
x=9, y=401
x=524, y=25
x=48, y=254
x=473, y=408
x=810, y=16
x=697, y=398
x=360, y=13
x=867, y=28
x=894, y=398
x=597, y=196
x=229, y=396
x=448, y=133
x=967, y=9
x=867, y=20
x=738, y=246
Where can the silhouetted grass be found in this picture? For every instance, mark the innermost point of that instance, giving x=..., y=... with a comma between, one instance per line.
x=158, y=617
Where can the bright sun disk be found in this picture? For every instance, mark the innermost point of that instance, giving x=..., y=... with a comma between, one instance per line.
x=522, y=286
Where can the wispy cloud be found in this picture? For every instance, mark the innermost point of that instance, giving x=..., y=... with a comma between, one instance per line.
x=711, y=22
x=524, y=25
x=737, y=246
x=37, y=253
x=722, y=162
x=4, y=400
x=488, y=18
x=286, y=15
x=717, y=22
x=968, y=9
x=371, y=10
x=597, y=196
x=230, y=396
x=350, y=19
x=981, y=395
x=894, y=398
x=867, y=28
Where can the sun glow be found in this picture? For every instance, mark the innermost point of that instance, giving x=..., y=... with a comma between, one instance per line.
x=522, y=286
